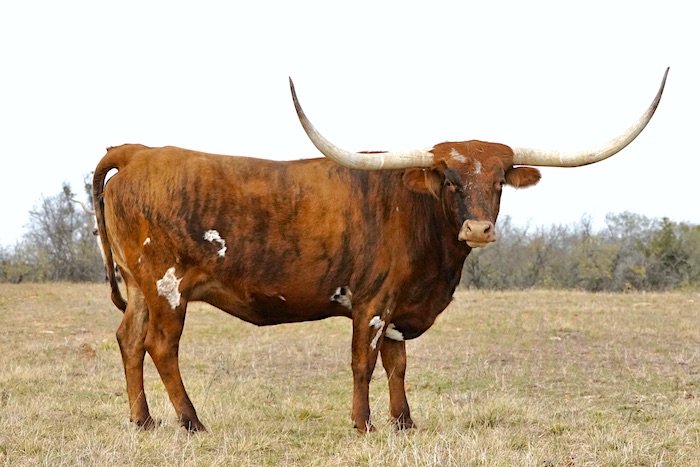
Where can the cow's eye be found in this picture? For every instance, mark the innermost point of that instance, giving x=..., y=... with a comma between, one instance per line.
x=453, y=187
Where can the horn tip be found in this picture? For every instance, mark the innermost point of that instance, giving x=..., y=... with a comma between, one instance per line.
x=294, y=92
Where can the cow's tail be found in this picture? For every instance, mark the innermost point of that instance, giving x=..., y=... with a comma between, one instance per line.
x=98, y=183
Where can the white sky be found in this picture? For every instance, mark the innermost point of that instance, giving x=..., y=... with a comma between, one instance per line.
x=77, y=77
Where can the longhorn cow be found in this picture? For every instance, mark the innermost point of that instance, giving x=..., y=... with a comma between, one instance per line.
x=380, y=238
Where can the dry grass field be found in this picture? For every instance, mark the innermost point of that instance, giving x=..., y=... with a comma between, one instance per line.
x=538, y=378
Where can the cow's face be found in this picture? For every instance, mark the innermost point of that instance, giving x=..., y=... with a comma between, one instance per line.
x=468, y=177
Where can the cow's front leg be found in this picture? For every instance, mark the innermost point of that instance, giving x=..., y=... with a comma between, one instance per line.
x=394, y=361
x=367, y=334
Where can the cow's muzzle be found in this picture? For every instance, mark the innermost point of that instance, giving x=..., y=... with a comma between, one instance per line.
x=477, y=234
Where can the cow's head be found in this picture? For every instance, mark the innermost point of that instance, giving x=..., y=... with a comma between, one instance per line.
x=89, y=212
x=468, y=176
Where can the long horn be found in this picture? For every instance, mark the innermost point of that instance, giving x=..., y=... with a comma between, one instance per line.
x=360, y=161
x=538, y=157
x=85, y=208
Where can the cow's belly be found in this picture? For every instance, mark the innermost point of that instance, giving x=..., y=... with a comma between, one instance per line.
x=266, y=308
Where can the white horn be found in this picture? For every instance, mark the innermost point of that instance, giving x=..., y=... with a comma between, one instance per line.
x=360, y=161
x=85, y=208
x=536, y=157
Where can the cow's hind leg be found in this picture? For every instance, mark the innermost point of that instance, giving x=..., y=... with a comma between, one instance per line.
x=394, y=361
x=162, y=343
x=131, y=336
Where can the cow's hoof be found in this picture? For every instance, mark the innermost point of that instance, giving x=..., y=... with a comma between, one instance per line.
x=193, y=426
x=145, y=424
x=404, y=424
x=366, y=427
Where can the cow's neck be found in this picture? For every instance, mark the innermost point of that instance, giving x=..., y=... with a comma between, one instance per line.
x=447, y=251
x=437, y=259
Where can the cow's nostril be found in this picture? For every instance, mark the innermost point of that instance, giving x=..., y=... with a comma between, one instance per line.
x=478, y=232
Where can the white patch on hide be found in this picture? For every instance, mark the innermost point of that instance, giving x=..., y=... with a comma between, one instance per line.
x=147, y=241
x=393, y=333
x=168, y=287
x=457, y=156
x=477, y=167
x=379, y=324
x=376, y=322
x=213, y=236
x=343, y=296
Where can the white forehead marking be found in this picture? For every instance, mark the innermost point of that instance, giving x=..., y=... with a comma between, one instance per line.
x=168, y=287
x=393, y=333
x=456, y=155
x=213, y=236
x=464, y=159
x=147, y=241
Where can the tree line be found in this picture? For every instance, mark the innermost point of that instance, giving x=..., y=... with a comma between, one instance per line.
x=58, y=244
x=632, y=252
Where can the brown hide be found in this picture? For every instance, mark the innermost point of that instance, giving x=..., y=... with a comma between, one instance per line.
x=276, y=242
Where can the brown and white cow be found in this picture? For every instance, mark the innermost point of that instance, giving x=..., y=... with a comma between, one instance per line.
x=379, y=238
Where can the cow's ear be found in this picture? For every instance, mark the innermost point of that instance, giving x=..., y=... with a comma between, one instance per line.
x=522, y=177
x=422, y=180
